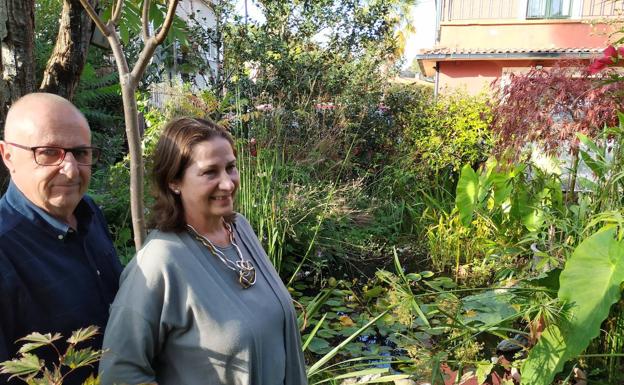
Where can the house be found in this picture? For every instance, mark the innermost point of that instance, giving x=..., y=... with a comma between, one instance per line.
x=198, y=15
x=478, y=41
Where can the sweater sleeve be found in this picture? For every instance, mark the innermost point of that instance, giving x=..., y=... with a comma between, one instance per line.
x=137, y=327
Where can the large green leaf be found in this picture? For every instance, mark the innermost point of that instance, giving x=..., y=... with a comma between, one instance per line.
x=484, y=368
x=467, y=192
x=521, y=203
x=590, y=282
x=491, y=307
x=502, y=187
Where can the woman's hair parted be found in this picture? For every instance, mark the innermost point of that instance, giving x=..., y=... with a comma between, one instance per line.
x=171, y=158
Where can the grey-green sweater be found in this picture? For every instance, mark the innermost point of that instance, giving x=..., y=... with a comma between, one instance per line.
x=181, y=318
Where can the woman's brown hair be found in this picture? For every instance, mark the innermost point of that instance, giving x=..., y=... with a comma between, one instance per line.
x=171, y=158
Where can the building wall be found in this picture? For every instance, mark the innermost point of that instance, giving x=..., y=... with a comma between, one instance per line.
x=480, y=9
x=205, y=16
x=536, y=34
x=477, y=75
x=169, y=88
x=473, y=77
x=455, y=10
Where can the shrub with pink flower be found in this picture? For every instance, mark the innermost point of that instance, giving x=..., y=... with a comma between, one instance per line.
x=611, y=57
x=324, y=106
x=265, y=107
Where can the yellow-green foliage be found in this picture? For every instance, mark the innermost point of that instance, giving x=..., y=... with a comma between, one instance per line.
x=452, y=245
x=452, y=131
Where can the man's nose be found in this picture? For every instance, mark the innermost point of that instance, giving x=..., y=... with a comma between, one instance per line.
x=69, y=166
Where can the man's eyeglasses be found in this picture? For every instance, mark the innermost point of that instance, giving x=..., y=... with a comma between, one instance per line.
x=54, y=156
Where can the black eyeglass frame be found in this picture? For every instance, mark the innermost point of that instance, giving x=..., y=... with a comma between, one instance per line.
x=95, y=153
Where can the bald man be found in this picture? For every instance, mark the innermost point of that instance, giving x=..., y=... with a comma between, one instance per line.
x=58, y=268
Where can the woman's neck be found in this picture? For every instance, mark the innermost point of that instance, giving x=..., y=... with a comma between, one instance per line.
x=213, y=229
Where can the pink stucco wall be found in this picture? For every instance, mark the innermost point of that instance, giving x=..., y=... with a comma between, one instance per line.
x=524, y=34
x=472, y=76
x=477, y=75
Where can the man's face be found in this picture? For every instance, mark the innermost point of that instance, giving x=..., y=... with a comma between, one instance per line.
x=56, y=189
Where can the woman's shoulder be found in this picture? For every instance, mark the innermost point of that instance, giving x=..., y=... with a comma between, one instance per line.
x=159, y=250
x=241, y=222
x=156, y=265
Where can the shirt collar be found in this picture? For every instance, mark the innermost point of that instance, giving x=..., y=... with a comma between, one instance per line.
x=39, y=216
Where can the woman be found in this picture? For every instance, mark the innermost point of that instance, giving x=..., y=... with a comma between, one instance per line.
x=200, y=303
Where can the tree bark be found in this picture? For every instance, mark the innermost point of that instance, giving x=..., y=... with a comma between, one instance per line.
x=63, y=70
x=17, y=62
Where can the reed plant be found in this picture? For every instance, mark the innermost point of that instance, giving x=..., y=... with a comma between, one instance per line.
x=264, y=186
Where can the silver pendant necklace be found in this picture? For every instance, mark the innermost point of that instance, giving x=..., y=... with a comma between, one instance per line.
x=244, y=268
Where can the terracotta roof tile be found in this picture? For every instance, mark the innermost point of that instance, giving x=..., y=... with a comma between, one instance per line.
x=489, y=51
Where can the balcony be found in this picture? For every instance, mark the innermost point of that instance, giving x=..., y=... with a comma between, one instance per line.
x=491, y=10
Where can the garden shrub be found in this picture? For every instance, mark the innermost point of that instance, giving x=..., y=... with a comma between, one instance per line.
x=450, y=132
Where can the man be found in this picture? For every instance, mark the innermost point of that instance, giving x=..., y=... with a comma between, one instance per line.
x=58, y=268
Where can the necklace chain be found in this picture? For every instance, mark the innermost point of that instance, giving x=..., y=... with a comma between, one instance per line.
x=244, y=268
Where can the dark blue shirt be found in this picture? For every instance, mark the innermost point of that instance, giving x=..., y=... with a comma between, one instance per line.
x=53, y=278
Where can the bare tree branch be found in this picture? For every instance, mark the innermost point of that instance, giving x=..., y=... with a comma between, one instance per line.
x=150, y=45
x=145, y=20
x=117, y=12
x=95, y=17
x=167, y=23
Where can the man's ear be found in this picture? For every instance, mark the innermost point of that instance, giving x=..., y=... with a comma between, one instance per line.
x=6, y=155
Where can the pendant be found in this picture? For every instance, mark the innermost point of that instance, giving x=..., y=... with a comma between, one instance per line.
x=246, y=274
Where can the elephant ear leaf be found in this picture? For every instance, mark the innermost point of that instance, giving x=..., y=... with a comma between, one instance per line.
x=467, y=194
x=590, y=282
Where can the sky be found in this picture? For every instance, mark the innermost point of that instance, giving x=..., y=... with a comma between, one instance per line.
x=423, y=15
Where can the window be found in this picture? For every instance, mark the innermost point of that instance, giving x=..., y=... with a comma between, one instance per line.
x=548, y=9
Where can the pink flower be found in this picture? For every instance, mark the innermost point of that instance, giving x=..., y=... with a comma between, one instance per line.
x=611, y=56
x=382, y=108
x=324, y=106
x=265, y=107
x=610, y=51
x=599, y=64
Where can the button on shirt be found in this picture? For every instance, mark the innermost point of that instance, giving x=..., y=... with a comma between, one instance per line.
x=53, y=278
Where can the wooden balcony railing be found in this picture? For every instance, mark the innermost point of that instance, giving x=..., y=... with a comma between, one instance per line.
x=457, y=10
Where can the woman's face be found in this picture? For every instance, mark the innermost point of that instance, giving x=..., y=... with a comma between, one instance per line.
x=209, y=183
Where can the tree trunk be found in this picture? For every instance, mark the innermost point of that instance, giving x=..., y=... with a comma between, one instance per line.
x=131, y=119
x=17, y=62
x=129, y=81
x=63, y=70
